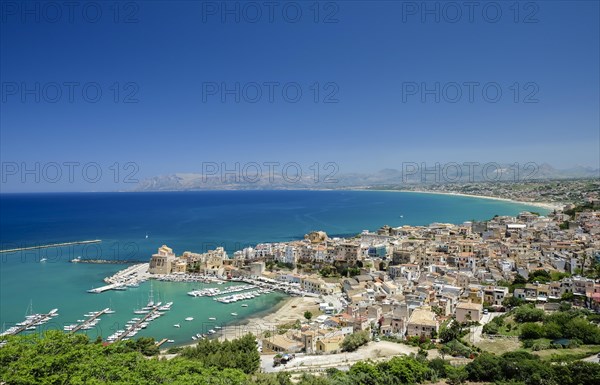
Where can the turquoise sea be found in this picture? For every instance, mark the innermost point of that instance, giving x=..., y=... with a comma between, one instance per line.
x=195, y=221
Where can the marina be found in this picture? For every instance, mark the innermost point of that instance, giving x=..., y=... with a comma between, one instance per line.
x=134, y=326
x=242, y=296
x=94, y=318
x=31, y=322
x=131, y=277
x=211, y=292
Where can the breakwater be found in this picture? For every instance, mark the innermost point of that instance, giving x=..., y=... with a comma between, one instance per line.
x=50, y=245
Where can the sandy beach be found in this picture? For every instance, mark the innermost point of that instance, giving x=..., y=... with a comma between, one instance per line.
x=287, y=311
x=545, y=205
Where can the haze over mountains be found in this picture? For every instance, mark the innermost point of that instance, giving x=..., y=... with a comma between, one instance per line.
x=409, y=175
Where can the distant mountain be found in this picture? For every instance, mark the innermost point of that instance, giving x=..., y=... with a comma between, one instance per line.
x=383, y=178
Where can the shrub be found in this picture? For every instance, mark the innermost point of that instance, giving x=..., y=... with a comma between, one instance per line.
x=528, y=314
x=354, y=341
x=531, y=331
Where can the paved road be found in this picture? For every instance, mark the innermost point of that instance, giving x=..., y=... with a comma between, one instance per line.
x=476, y=331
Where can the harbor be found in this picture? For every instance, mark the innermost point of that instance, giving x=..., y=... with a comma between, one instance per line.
x=31, y=322
x=94, y=318
x=130, y=277
x=135, y=325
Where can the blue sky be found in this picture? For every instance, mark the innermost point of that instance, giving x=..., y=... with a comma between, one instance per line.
x=166, y=64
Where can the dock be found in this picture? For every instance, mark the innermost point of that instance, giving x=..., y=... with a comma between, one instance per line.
x=50, y=245
x=102, y=289
x=136, y=325
x=34, y=320
x=89, y=320
x=129, y=277
x=159, y=343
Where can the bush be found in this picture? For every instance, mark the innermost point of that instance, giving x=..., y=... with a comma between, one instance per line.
x=490, y=328
x=238, y=354
x=528, y=313
x=354, y=341
x=531, y=331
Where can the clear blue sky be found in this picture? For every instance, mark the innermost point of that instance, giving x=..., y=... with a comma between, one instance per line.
x=370, y=55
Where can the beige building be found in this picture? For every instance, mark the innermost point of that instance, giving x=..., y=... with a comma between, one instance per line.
x=281, y=344
x=422, y=322
x=468, y=311
x=162, y=261
x=330, y=344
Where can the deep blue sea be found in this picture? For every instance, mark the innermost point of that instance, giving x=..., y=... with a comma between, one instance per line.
x=194, y=221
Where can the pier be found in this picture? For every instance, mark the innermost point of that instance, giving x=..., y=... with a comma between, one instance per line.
x=159, y=343
x=89, y=320
x=30, y=321
x=50, y=245
x=137, y=324
x=129, y=277
x=104, y=288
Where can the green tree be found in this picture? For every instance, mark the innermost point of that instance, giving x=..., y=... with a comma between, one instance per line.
x=456, y=375
x=531, y=331
x=485, y=367
x=541, y=276
x=528, y=313
x=308, y=315
x=355, y=340
x=512, y=301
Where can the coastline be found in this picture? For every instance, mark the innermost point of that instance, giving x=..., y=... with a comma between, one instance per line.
x=544, y=205
x=287, y=310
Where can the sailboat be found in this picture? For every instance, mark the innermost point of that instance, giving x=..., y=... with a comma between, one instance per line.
x=151, y=305
x=109, y=310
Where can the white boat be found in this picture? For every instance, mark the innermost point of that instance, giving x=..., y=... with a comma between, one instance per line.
x=217, y=327
x=177, y=325
x=189, y=319
x=244, y=305
x=151, y=297
x=43, y=259
x=109, y=311
x=234, y=314
x=212, y=318
x=211, y=331
x=170, y=341
x=141, y=311
x=199, y=335
x=166, y=306
x=194, y=338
